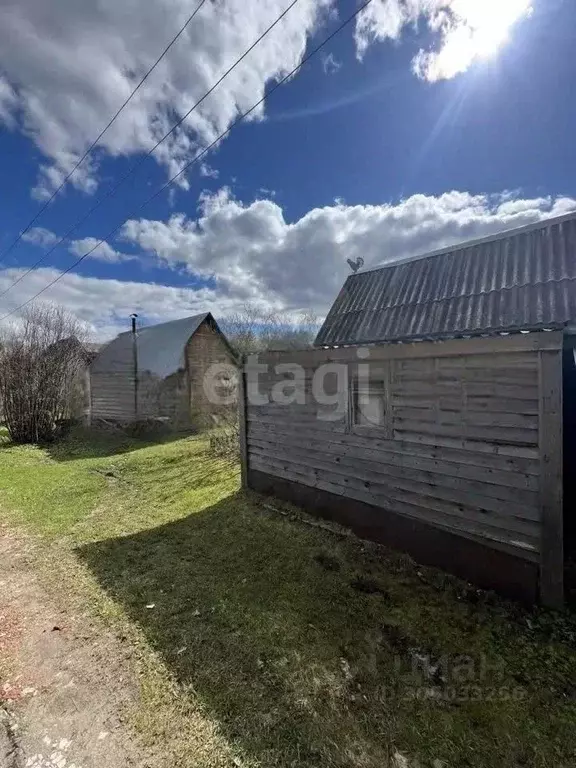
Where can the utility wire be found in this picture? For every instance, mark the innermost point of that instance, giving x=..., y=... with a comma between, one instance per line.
x=137, y=165
x=100, y=135
x=195, y=159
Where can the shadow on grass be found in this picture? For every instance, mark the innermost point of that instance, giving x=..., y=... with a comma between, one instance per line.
x=261, y=620
x=252, y=627
x=85, y=443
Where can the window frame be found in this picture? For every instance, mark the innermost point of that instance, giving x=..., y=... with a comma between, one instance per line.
x=381, y=372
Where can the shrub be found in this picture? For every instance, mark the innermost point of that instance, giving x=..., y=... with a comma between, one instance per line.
x=42, y=361
x=225, y=438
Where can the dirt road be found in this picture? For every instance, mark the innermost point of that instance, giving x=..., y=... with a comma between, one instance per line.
x=66, y=684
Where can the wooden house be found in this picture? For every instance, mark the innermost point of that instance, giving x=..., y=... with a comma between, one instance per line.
x=436, y=414
x=159, y=373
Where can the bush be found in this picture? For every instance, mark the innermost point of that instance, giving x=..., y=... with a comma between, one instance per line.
x=42, y=362
x=225, y=439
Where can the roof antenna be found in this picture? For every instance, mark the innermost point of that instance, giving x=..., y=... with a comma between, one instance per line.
x=355, y=265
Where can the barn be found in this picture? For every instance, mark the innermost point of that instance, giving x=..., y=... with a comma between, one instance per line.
x=159, y=373
x=436, y=414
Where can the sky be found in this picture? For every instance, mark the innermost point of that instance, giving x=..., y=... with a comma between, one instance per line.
x=423, y=123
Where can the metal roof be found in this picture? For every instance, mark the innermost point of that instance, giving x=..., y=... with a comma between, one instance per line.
x=160, y=348
x=523, y=279
x=91, y=349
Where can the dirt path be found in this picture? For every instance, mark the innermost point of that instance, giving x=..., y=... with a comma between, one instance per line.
x=65, y=683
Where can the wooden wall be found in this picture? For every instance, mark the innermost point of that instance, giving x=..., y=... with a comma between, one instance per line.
x=112, y=396
x=473, y=445
x=206, y=348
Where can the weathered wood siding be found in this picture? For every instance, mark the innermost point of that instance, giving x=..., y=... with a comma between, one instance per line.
x=206, y=348
x=465, y=450
x=113, y=396
x=112, y=390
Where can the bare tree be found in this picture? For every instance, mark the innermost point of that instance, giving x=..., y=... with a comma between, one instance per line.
x=253, y=330
x=250, y=331
x=41, y=362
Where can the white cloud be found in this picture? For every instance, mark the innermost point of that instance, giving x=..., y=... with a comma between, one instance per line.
x=253, y=253
x=330, y=64
x=105, y=305
x=40, y=236
x=385, y=20
x=45, y=238
x=8, y=103
x=467, y=30
x=65, y=71
x=207, y=171
x=103, y=251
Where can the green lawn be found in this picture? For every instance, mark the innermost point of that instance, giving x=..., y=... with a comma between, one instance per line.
x=264, y=641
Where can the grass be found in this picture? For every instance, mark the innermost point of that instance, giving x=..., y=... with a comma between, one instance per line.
x=275, y=643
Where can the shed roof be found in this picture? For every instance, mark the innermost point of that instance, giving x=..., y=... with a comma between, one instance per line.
x=522, y=279
x=91, y=349
x=160, y=348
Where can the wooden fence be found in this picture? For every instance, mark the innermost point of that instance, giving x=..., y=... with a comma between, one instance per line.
x=465, y=471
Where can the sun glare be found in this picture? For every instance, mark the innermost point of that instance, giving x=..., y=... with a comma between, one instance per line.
x=471, y=29
x=490, y=21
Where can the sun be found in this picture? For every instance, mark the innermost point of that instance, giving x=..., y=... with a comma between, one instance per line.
x=489, y=22
x=470, y=30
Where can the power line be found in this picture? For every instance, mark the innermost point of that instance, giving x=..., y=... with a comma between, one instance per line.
x=111, y=192
x=195, y=159
x=101, y=134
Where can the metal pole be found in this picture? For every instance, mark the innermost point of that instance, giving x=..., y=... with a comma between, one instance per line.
x=135, y=363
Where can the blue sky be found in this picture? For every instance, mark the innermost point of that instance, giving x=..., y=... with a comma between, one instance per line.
x=361, y=153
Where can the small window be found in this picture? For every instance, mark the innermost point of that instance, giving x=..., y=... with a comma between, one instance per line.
x=369, y=404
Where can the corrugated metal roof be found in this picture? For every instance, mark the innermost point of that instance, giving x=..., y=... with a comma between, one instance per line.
x=160, y=348
x=520, y=279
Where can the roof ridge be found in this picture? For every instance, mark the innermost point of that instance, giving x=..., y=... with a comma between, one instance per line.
x=166, y=322
x=465, y=244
